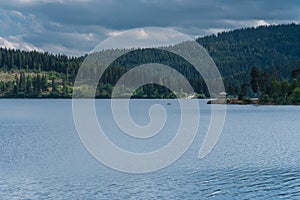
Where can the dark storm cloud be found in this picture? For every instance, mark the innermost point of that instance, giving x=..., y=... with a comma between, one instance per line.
x=76, y=26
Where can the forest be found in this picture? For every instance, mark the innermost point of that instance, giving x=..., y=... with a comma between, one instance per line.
x=262, y=62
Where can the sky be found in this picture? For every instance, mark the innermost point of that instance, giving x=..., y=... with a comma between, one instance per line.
x=75, y=27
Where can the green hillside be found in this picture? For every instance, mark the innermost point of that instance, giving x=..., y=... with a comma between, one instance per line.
x=274, y=50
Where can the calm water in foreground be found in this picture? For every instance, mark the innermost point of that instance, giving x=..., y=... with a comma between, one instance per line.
x=41, y=156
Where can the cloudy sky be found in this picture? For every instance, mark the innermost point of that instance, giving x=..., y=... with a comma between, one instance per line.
x=75, y=27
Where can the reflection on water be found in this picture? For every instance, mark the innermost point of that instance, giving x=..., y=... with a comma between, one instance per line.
x=257, y=156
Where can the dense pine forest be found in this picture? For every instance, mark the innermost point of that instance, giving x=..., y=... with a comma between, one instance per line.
x=261, y=62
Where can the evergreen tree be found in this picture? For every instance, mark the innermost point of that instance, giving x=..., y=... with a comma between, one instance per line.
x=65, y=88
x=44, y=82
x=255, y=78
x=243, y=91
x=54, y=90
x=37, y=84
x=22, y=82
x=296, y=96
x=29, y=87
x=294, y=84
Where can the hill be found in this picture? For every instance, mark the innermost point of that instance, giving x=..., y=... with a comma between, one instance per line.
x=274, y=50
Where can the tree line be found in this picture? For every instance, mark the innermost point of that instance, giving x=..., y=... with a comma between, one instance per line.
x=269, y=90
x=274, y=50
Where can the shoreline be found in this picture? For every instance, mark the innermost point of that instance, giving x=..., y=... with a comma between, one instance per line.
x=235, y=101
x=227, y=101
x=248, y=101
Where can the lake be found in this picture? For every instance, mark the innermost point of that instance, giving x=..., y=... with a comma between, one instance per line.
x=42, y=157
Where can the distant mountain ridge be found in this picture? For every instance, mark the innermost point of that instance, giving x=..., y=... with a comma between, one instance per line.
x=274, y=49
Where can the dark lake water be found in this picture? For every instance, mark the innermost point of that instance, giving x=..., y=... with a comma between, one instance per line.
x=42, y=157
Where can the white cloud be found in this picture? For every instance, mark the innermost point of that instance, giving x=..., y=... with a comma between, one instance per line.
x=60, y=49
x=246, y=23
x=261, y=23
x=114, y=33
x=141, y=34
x=143, y=37
x=13, y=42
x=18, y=14
x=216, y=30
x=32, y=2
x=79, y=25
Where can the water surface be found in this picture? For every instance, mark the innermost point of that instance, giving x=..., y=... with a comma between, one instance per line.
x=41, y=156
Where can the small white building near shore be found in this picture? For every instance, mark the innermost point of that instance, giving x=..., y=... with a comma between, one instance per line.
x=222, y=95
